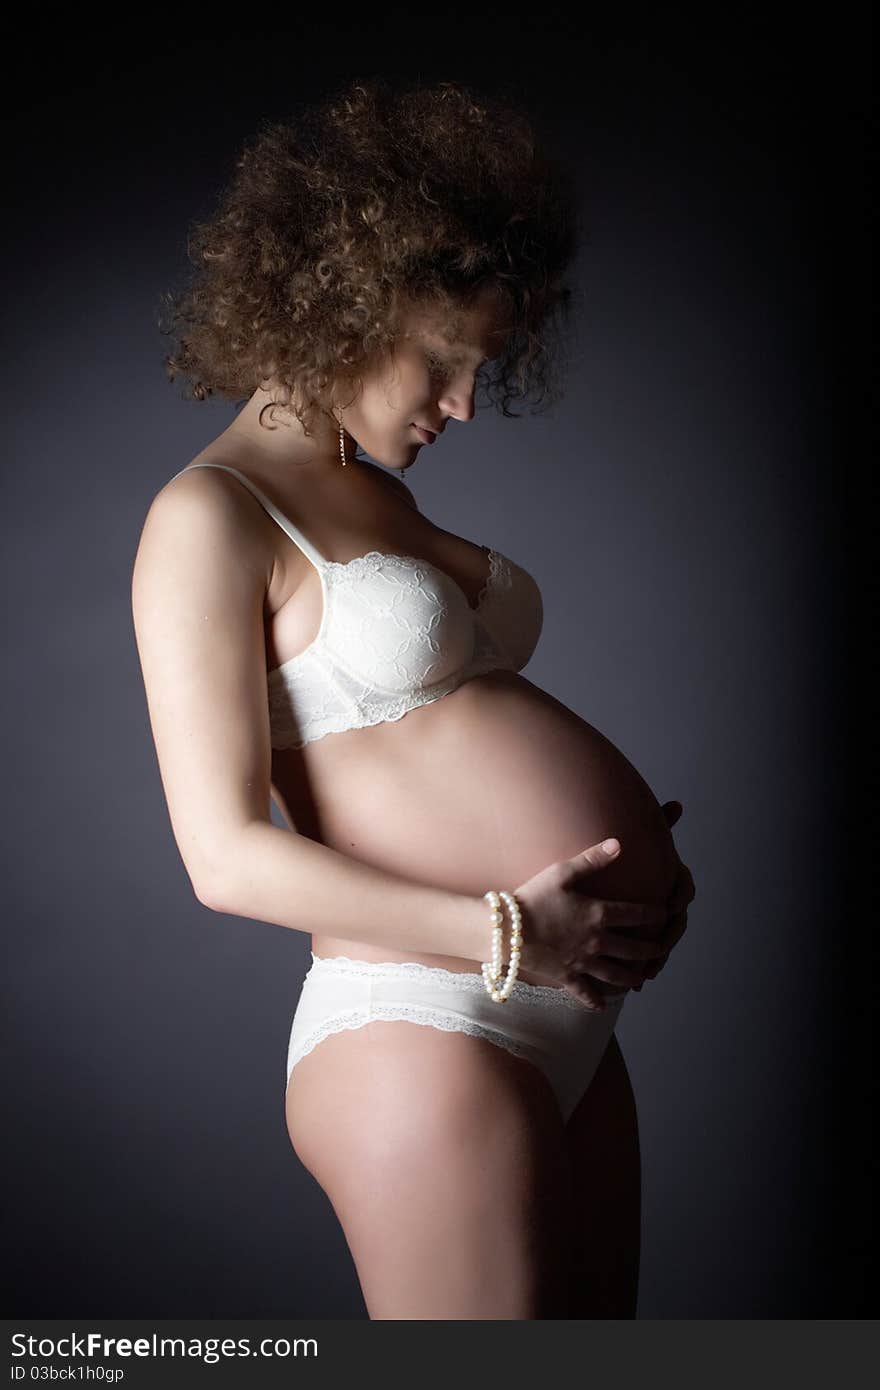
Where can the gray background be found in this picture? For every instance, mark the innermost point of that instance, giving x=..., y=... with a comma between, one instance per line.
x=680, y=514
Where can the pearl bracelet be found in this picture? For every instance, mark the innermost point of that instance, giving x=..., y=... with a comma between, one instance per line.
x=492, y=969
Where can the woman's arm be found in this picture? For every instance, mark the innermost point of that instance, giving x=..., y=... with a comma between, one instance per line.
x=199, y=584
x=274, y=875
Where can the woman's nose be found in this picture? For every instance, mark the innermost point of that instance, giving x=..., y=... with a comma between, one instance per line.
x=458, y=398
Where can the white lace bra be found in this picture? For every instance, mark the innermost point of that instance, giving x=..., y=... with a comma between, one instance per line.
x=396, y=632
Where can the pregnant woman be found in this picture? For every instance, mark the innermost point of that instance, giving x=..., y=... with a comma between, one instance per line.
x=307, y=635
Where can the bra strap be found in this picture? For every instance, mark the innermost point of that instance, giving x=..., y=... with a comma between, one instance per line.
x=284, y=522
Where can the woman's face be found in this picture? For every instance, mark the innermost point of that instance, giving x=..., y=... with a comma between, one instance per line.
x=430, y=379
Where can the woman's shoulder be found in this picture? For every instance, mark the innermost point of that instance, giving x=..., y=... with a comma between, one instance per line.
x=315, y=510
x=211, y=462
x=208, y=481
x=206, y=489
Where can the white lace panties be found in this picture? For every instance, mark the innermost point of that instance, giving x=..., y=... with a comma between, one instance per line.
x=547, y=1026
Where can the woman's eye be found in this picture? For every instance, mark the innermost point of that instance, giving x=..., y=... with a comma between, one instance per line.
x=437, y=365
x=441, y=367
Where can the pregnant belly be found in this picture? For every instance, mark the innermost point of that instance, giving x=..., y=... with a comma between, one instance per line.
x=480, y=790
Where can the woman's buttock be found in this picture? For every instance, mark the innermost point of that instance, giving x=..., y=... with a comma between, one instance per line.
x=366, y=1111
x=389, y=1084
x=382, y=1054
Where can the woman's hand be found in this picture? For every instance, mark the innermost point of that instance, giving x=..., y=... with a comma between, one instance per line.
x=569, y=938
x=682, y=895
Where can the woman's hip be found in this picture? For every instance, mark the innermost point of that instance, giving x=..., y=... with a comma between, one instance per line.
x=539, y=1024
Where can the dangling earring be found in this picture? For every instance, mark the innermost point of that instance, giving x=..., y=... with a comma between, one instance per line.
x=341, y=438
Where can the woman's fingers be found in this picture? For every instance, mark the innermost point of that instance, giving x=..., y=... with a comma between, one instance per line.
x=579, y=985
x=670, y=938
x=614, y=912
x=654, y=970
x=673, y=934
x=609, y=943
x=611, y=972
x=683, y=890
x=609, y=947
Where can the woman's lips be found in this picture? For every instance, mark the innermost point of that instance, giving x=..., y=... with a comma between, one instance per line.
x=424, y=435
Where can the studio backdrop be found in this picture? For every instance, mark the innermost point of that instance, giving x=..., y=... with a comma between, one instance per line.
x=677, y=507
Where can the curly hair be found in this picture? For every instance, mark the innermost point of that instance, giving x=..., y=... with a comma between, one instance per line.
x=381, y=196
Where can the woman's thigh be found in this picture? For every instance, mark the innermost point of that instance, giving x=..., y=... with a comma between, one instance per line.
x=444, y=1158
x=603, y=1144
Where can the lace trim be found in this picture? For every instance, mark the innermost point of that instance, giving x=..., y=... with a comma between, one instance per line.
x=470, y=982
x=375, y=560
x=405, y=1013
x=497, y=568
x=319, y=692
x=366, y=712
